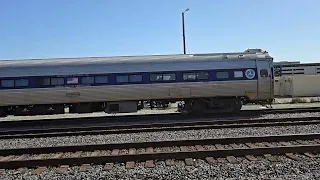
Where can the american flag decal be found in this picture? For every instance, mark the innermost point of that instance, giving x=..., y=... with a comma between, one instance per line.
x=72, y=80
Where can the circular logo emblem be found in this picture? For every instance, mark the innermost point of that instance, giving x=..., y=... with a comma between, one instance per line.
x=250, y=73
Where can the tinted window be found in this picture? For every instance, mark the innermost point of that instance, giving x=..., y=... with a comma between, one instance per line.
x=222, y=75
x=238, y=74
x=101, y=79
x=72, y=80
x=87, y=80
x=57, y=81
x=196, y=76
x=189, y=76
x=45, y=82
x=169, y=77
x=202, y=75
x=122, y=79
x=264, y=73
x=156, y=77
x=135, y=78
x=21, y=82
x=7, y=83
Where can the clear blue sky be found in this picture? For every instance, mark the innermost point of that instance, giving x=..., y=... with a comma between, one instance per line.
x=288, y=29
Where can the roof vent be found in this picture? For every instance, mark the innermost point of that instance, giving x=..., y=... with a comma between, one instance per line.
x=224, y=56
x=254, y=51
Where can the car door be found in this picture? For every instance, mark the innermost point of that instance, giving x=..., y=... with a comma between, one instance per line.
x=265, y=79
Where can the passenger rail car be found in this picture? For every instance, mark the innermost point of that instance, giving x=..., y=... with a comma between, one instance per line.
x=201, y=82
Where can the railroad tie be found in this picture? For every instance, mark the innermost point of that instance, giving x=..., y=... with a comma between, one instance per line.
x=169, y=162
x=149, y=163
x=290, y=155
x=210, y=160
x=249, y=157
x=62, y=169
x=84, y=167
x=115, y=152
x=76, y=154
x=7, y=158
x=40, y=156
x=57, y=156
x=300, y=142
x=108, y=166
x=308, y=154
x=39, y=170
x=22, y=170
x=268, y=156
x=231, y=159
x=22, y=157
x=188, y=161
x=94, y=153
x=317, y=140
x=131, y=164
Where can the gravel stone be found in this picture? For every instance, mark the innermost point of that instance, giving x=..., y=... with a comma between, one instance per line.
x=85, y=154
x=37, y=156
x=307, y=168
x=275, y=144
x=141, y=150
x=209, y=147
x=261, y=169
x=123, y=152
x=288, y=115
x=167, y=149
x=239, y=146
x=156, y=136
x=293, y=143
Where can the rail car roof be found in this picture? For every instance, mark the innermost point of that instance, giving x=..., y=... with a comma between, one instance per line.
x=248, y=54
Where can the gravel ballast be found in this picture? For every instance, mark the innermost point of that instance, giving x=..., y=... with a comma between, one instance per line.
x=261, y=169
x=307, y=168
x=163, y=135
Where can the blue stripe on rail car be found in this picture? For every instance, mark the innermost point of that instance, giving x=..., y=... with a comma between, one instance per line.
x=214, y=75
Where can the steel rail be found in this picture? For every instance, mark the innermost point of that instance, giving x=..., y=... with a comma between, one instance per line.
x=198, y=124
x=162, y=155
x=228, y=140
x=136, y=117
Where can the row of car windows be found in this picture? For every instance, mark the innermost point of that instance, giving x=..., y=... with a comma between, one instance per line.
x=15, y=83
x=134, y=78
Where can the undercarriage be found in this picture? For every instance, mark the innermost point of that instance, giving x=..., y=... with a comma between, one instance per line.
x=211, y=105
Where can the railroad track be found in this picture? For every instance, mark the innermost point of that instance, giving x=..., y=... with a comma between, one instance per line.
x=269, y=147
x=196, y=124
x=90, y=121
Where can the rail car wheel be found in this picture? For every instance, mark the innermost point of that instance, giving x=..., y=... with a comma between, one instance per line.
x=198, y=107
x=3, y=112
x=237, y=105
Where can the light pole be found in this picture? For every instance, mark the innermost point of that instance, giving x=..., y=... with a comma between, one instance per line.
x=183, y=32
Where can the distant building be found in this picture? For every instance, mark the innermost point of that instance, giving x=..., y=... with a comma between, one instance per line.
x=286, y=62
x=291, y=68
